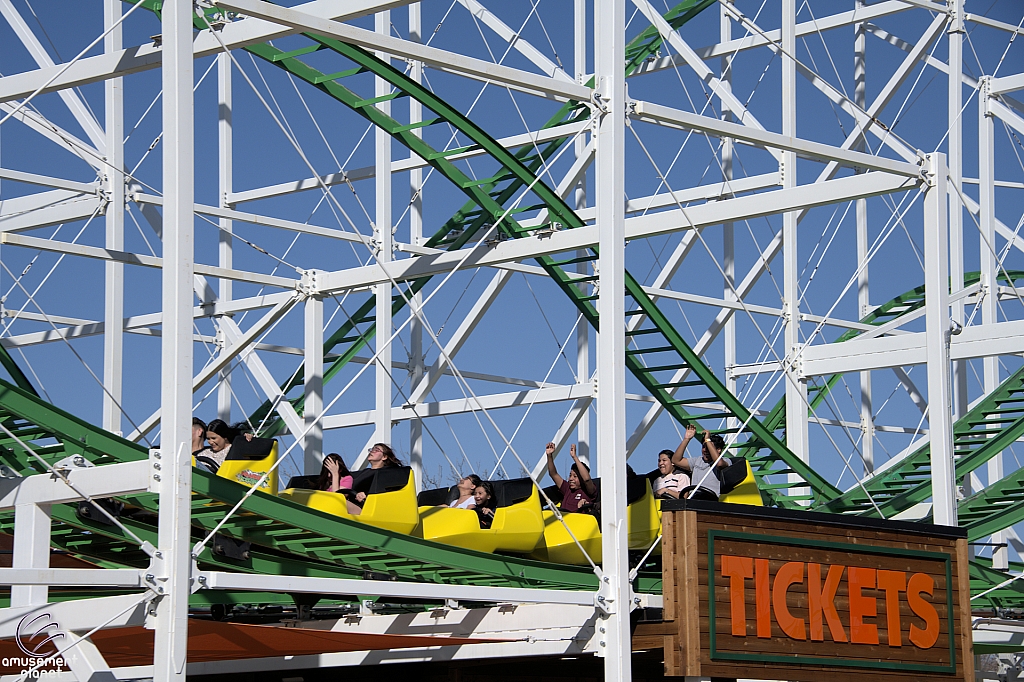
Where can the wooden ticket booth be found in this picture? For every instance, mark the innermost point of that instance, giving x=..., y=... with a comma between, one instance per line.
x=753, y=592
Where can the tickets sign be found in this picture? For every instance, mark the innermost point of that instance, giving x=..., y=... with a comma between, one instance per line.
x=760, y=593
x=832, y=603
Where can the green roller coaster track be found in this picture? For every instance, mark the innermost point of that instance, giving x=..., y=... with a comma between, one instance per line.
x=289, y=539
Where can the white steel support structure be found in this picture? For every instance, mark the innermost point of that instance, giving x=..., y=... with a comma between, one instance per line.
x=225, y=243
x=937, y=339
x=728, y=229
x=580, y=196
x=796, y=389
x=954, y=159
x=313, y=404
x=867, y=421
x=113, y=339
x=384, y=245
x=173, y=563
x=609, y=194
x=415, y=237
x=989, y=281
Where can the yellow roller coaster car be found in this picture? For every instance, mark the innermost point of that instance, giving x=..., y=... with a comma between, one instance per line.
x=390, y=499
x=745, y=491
x=642, y=516
x=248, y=460
x=517, y=526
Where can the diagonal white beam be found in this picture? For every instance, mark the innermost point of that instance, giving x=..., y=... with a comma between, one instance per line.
x=144, y=57
x=518, y=43
x=65, y=212
x=442, y=60
x=461, y=335
x=263, y=377
x=657, y=113
x=54, y=133
x=735, y=106
x=239, y=343
x=85, y=119
x=47, y=181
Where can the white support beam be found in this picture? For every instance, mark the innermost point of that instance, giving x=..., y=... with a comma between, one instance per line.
x=113, y=272
x=234, y=35
x=639, y=227
x=384, y=241
x=460, y=336
x=657, y=113
x=71, y=577
x=80, y=614
x=47, y=181
x=85, y=119
x=615, y=594
x=756, y=40
x=987, y=340
x=735, y=106
x=126, y=478
x=494, y=401
x=172, y=564
x=261, y=374
x=937, y=335
x=409, y=163
x=140, y=259
x=31, y=552
x=441, y=60
x=313, y=374
x=52, y=132
x=998, y=86
x=256, y=219
x=516, y=40
x=217, y=580
x=64, y=212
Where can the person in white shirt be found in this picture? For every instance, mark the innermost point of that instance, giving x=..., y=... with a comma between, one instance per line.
x=672, y=481
x=466, y=486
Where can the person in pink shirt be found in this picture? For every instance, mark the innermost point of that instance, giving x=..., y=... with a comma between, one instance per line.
x=579, y=492
x=336, y=478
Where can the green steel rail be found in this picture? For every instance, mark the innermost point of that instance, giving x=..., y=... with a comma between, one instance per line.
x=981, y=434
x=762, y=459
x=287, y=538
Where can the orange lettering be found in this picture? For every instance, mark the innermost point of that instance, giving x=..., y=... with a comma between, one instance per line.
x=737, y=569
x=923, y=609
x=862, y=607
x=823, y=601
x=762, y=599
x=893, y=582
x=790, y=573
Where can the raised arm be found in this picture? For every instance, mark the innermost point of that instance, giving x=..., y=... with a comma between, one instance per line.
x=549, y=451
x=588, y=484
x=720, y=462
x=679, y=456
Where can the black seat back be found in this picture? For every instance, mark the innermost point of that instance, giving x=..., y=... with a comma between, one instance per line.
x=257, y=448
x=303, y=482
x=388, y=479
x=437, y=497
x=732, y=475
x=508, y=493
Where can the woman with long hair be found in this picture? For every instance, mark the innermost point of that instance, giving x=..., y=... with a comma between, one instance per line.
x=220, y=435
x=466, y=486
x=485, y=503
x=336, y=478
x=380, y=456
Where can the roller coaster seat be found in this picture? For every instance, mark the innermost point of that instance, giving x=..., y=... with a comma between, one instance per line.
x=248, y=460
x=518, y=524
x=642, y=515
x=390, y=499
x=739, y=485
x=437, y=497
